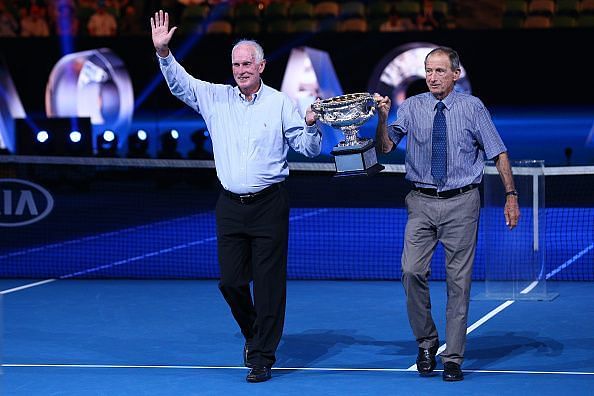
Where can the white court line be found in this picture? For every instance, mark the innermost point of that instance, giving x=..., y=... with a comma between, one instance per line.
x=16, y=289
x=473, y=327
x=136, y=258
x=570, y=261
x=154, y=253
x=125, y=366
x=507, y=303
x=486, y=317
x=108, y=234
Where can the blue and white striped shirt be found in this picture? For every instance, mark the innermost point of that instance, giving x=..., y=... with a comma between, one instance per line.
x=250, y=139
x=471, y=135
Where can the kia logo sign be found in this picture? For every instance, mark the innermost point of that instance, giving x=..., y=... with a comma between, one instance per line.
x=23, y=202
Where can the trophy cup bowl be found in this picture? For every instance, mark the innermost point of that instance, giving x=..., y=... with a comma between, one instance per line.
x=354, y=155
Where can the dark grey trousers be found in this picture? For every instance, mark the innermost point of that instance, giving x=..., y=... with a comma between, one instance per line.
x=454, y=223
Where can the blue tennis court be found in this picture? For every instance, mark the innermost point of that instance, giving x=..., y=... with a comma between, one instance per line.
x=176, y=337
x=115, y=291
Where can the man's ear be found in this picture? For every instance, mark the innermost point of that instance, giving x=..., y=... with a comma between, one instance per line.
x=262, y=66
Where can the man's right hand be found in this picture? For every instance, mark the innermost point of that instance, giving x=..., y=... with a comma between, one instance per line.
x=161, y=33
x=383, y=106
x=383, y=142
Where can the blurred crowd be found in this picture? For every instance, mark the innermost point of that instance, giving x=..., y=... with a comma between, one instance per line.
x=108, y=18
x=39, y=18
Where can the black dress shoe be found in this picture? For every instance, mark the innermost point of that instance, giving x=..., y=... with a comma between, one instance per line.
x=259, y=374
x=246, y=348
x=426, y=360
x=452, y=372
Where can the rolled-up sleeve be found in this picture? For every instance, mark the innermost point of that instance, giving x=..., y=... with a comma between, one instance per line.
x=399, y=127
x=486, y=132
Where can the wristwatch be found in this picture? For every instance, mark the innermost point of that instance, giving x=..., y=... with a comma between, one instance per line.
x=512, y=192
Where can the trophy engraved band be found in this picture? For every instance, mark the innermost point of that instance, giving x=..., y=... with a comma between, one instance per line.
x=354, y=155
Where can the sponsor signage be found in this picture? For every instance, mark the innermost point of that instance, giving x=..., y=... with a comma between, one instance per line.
x=23, y=202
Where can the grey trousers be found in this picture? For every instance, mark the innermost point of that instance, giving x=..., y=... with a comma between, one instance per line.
x=454, y=223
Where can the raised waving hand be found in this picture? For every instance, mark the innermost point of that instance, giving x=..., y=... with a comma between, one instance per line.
x=161, y=33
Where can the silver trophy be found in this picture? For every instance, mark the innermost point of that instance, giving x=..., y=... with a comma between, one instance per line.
x=354, y=155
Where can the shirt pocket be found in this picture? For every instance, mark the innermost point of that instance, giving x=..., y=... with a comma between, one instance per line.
x=266, y=138
x=420, y=136
x=465, y=142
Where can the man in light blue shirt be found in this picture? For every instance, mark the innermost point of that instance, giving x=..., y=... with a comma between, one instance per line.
x=449, y=134
x=252, y=127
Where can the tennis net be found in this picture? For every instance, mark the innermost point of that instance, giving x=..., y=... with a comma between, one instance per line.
x=66, y=217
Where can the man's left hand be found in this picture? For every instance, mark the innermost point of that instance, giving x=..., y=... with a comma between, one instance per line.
x=511, y=211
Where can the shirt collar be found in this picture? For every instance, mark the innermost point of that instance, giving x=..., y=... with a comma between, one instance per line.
x=256, y=95
x=447, y=101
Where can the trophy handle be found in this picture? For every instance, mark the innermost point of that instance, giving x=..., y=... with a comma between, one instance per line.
x=317, y=108
x=372, y=102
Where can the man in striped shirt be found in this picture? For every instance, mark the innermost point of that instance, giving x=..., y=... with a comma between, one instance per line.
x=252, y=127
x=449, y=134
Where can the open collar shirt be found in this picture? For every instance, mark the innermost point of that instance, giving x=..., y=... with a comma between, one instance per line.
x=250, y=139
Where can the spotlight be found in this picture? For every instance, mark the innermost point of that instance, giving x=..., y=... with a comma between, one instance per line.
x=76, y=144
x=109, y=136
x=142, y=135
x=107, y=144
x=54, y=136
x=44, y=143
x=138, y=144
x=169, y=145
x=42, y=136
x=75, y=136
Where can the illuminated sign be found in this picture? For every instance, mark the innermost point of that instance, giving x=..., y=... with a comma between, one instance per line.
x=91, y=84
x=23, y=202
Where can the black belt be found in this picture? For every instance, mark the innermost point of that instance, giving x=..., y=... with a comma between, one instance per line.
x=445, y=194
x=252, y=197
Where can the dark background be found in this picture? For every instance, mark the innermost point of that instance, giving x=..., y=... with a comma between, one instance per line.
x=505, y=67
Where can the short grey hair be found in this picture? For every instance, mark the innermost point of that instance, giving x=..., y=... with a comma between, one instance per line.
x=452, y=54
x=258, y=50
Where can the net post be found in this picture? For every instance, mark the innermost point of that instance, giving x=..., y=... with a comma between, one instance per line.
x=515, y=259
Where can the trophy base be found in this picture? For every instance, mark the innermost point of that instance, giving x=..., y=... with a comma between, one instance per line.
x=360, y=160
